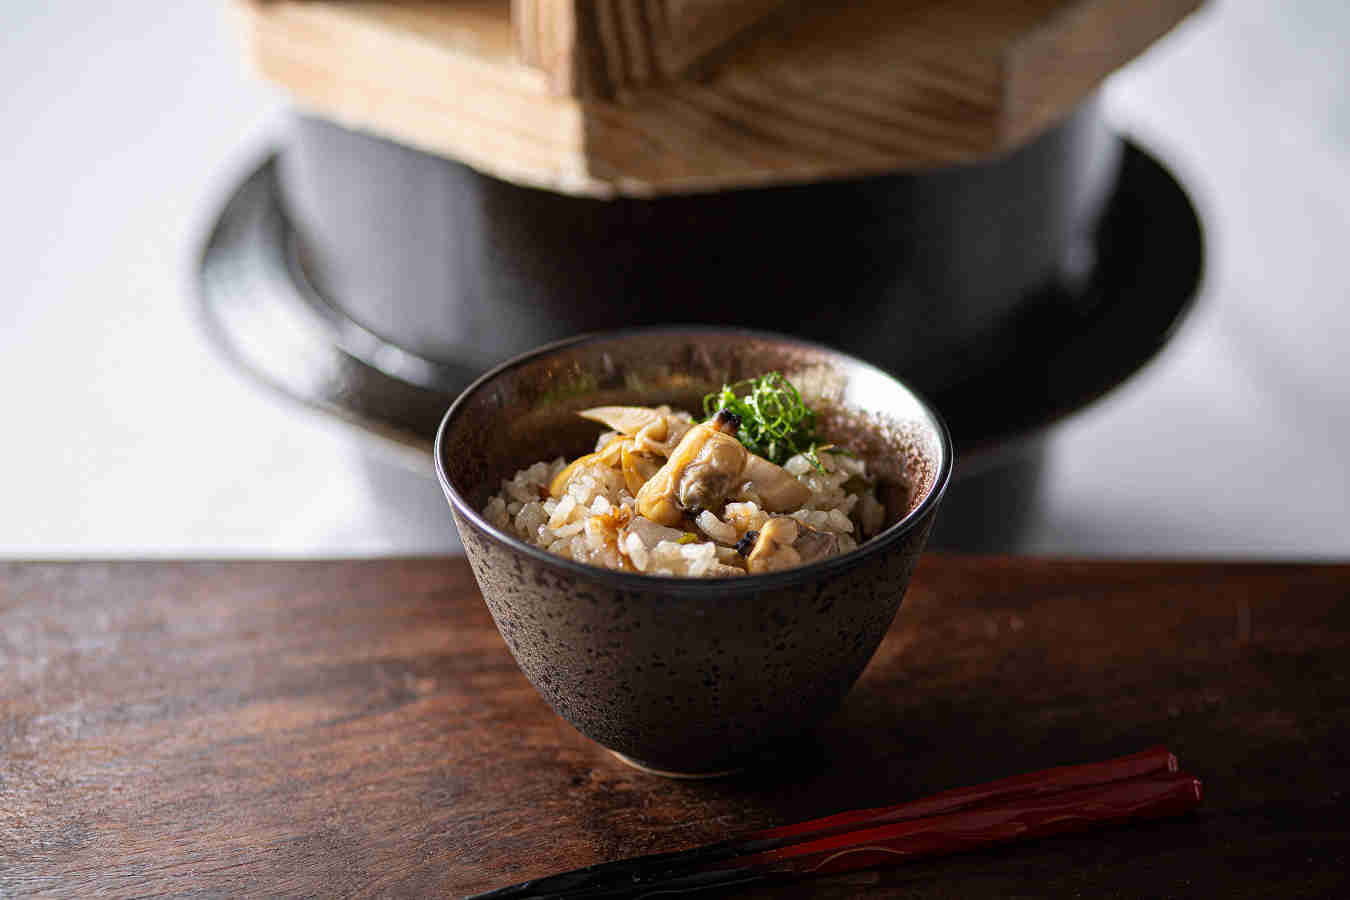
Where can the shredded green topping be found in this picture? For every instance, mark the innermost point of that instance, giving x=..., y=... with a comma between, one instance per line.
x=775, y=422
x=688, y=537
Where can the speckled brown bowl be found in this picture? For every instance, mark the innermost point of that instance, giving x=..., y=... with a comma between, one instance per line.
x=682, y=675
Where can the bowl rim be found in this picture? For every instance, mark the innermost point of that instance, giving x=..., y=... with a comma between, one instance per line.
x=681, y=584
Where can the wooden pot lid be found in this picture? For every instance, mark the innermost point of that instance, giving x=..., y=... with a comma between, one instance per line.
x=642, y=97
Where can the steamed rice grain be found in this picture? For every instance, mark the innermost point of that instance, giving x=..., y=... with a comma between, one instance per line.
x=582, y=523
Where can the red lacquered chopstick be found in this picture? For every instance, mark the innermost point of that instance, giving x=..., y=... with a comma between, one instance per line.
x=1051, y=801
x=1033, y=784
x=1150, y=797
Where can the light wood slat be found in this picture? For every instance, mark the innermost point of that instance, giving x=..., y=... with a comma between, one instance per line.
x=446, y=85
x=830, y=90
x=600, y=48
x=1043, y=70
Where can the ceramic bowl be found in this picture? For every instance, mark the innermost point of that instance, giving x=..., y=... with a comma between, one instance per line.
x=681, y=675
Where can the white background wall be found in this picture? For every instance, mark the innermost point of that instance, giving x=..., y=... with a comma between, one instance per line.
x=126, y=124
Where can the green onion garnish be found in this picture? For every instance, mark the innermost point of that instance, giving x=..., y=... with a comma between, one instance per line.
x=775, y=422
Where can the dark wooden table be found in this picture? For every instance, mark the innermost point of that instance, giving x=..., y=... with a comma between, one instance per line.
x=358, y=728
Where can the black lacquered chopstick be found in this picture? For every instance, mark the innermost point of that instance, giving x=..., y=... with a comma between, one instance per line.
x=721, y=863
x=628, y=874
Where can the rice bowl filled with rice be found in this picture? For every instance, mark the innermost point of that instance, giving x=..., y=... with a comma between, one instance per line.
x=749, y=489
x=695, y=583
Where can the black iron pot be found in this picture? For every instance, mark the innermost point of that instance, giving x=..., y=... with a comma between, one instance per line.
x=1099, y=248
x=917, y=272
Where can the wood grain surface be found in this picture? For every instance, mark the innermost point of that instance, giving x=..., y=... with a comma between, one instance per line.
x=601, y=47
x=559, y=97
x=357, y=728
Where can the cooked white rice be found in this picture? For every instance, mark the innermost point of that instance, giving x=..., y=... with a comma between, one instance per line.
x=595, y=520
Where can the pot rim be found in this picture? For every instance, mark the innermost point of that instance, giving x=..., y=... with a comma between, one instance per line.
x=683, y=585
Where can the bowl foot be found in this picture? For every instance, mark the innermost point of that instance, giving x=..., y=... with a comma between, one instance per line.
x=666, y=773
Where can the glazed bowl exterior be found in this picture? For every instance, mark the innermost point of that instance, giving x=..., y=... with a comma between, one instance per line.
x=687, y=675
